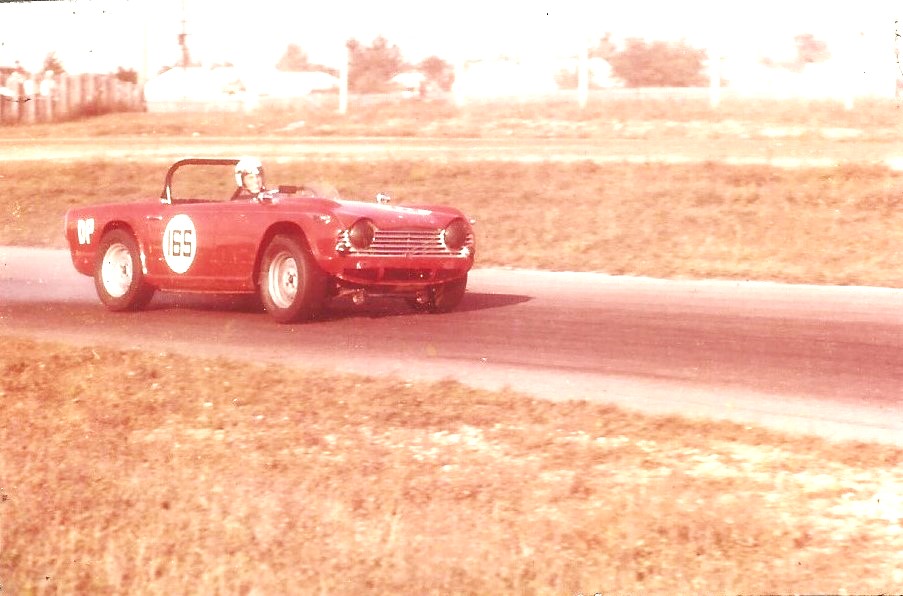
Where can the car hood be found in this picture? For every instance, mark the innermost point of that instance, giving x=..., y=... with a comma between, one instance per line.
x=384, y=216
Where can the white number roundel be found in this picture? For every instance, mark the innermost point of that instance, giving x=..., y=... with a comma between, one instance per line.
x=180, y=243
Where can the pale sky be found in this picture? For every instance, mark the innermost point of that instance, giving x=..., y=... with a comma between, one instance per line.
x=101, y=35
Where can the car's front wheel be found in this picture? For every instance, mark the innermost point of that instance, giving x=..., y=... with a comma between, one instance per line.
x=292, y=285
x=118, y=276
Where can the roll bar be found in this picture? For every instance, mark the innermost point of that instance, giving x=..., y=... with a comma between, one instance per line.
x=166, y=195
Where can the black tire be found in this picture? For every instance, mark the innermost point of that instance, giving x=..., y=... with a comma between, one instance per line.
x=118, y=276
x=442, y=298
x=292, y=286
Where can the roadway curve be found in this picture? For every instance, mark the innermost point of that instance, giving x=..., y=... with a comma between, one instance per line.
x=810, y=359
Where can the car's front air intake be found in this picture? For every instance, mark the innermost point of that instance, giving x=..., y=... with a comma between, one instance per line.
x=402, y=243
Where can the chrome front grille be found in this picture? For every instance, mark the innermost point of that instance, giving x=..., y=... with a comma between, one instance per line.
x=402, y=243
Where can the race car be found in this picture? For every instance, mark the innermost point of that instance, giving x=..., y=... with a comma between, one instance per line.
x=289, y=245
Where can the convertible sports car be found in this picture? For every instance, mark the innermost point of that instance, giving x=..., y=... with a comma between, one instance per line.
x=293, y=248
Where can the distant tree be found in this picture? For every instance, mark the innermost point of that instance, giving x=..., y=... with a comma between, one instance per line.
x=604, y=49
x=438, y=71
x=371, y=68
x=129, y=75
x=295, y=60
x=51, y=62
x=659, y=64
x=809, y=50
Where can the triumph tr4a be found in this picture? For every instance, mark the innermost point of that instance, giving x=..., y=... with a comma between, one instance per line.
x=293, y=247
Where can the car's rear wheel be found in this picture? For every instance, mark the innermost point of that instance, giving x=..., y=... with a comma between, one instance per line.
x=118, y=276
x=442, y=298
x=292, y=286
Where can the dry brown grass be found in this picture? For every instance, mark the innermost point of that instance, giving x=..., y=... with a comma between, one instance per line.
x=606, y=116
x=123, y=472
x=840, y=225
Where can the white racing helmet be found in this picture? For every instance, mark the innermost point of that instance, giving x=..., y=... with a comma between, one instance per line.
x=248, y=165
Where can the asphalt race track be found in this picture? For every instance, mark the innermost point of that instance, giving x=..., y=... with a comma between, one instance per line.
x=808, y=359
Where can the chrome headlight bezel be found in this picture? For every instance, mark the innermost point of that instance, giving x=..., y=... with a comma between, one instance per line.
x=361, y=233
x=455, y=235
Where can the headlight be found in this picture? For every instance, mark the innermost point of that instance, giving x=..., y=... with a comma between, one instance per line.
x=455, y=235
x=360, y=235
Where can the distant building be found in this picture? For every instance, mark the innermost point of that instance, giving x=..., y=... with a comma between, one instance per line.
x=504, y=78
x=288, y=84
x=195, y=88
x=410, y=84
x=228, y=88
x=831, y=79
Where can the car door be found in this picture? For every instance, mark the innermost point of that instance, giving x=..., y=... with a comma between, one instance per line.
x=239, y=226
x=182, y=247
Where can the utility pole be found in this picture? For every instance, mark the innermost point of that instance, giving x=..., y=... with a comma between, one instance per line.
x=142, y=11
x=898, y=72
x=343, y=80
x=583, y=75
x=183, y=39
x=715, y=78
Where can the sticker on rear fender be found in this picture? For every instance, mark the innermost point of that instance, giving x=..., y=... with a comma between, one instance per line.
x=85, y=228
x=180, y=243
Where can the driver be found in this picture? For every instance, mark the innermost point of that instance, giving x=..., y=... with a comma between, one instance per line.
x=248, y=178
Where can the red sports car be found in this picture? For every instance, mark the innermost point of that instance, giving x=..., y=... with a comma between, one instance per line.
x=291, y=247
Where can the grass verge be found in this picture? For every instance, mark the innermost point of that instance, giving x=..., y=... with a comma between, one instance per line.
x=608, y=115
x=127, y=472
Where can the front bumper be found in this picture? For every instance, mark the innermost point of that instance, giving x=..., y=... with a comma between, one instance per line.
x=400, y=273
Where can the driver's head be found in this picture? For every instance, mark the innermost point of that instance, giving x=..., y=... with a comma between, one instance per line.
x=249, y=174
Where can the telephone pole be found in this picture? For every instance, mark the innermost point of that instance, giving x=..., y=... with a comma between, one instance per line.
x=183, y=38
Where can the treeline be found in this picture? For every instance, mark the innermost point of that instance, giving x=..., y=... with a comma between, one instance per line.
x=638, y=63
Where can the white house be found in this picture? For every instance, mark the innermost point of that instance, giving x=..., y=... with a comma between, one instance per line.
x=229, y=88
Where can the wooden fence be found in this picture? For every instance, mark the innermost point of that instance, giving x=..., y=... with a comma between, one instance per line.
x=65, y=97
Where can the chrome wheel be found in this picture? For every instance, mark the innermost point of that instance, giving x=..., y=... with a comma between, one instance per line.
x=118, y=277
x=283, y=280
x=292, y=286
x=116, y=270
